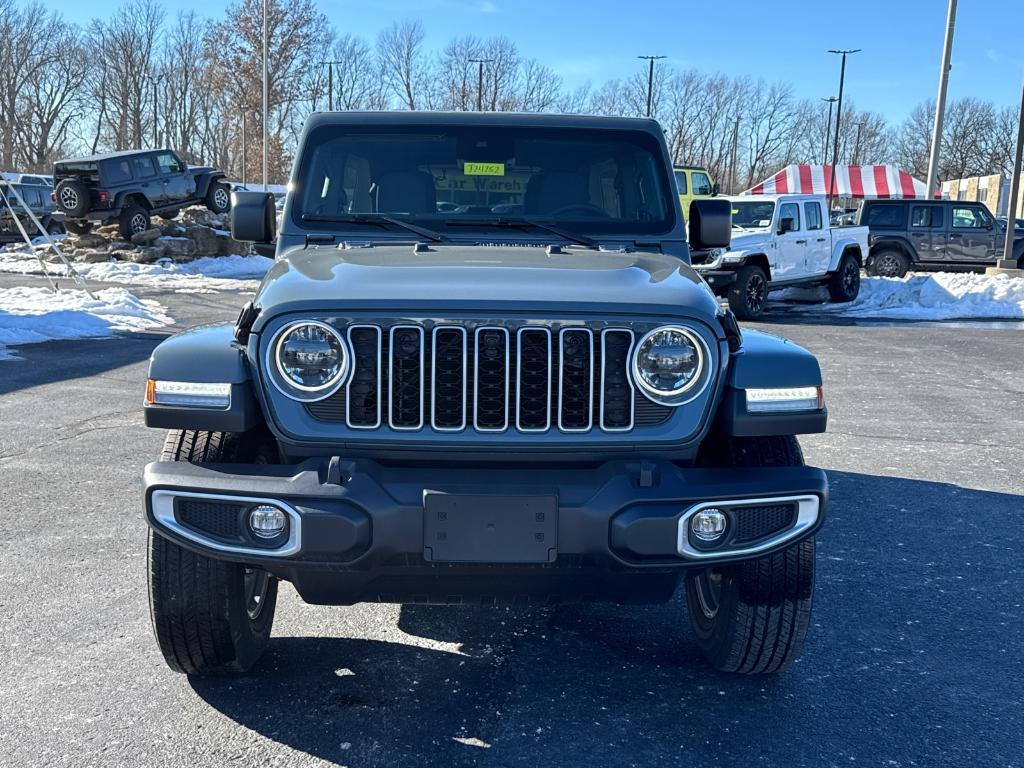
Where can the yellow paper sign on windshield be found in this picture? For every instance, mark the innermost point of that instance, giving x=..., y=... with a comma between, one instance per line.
x=484, y=169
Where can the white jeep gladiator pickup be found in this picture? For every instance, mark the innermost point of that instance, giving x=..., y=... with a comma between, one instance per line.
x=780, y=241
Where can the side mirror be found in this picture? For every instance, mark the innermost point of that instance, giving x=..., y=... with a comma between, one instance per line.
x=710, y=224
x=715, y=189
x=253, y=217
x=787, y=224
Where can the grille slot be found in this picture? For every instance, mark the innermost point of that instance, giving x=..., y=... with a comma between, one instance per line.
x=490, y=378
x=533, y=380
x=363, y=393
x=406, y=377
x=491, y=385
x=616, y=392
x=753, y=523
x=575, y=379
x=448, y=379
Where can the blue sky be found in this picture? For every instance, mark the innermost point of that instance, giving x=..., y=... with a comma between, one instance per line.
x=598, y=40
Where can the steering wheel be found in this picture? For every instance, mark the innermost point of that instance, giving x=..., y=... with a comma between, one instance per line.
x=586, y=208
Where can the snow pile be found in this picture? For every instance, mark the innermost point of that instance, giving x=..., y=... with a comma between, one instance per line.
x=31, y=315
x=204, y=275
x=934, y=296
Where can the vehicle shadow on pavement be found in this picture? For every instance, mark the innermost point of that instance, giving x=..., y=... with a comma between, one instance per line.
x=54, y=361
x=916, y=618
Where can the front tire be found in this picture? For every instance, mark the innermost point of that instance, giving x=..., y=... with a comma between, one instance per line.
x=752, y=617
x=210, y=617
x=749, y=294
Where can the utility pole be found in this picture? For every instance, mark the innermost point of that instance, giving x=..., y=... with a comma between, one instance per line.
x=940, y=103
x=856, y=145
x=155, y=80
x=480, y=82
x=245, y=141
x=266, y=98
x=650, y=79
x=330, y=86
x=735, y=146
x=828, y=128
x=839, y=118
x=1007, y=261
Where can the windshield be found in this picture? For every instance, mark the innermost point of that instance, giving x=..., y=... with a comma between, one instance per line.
x=459, y=178
x=752, y=214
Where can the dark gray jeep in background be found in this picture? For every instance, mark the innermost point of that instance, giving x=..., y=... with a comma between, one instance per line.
x=482, y=370
x=130, y=187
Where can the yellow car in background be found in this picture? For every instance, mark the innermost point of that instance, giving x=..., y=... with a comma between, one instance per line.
x=693, y=183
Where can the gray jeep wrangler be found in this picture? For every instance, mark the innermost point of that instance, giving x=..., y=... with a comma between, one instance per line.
x=482, y=370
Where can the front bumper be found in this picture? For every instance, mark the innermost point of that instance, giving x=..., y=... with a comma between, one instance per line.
x=363, y=531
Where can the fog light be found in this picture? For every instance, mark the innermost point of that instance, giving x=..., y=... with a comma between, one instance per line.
x=708, y=524
x=266, y=521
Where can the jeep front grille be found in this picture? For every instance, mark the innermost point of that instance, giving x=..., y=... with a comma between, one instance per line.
x=490, y=378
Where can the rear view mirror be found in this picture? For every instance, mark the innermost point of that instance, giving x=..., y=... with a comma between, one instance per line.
x=787, y=225
x=715, y=189
x=253, y=217
x=710, y=224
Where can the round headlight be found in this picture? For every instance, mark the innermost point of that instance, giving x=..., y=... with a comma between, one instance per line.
x=668, y=363
x=311, y=358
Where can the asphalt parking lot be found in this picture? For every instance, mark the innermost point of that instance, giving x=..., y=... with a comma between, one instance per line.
x=915, y=657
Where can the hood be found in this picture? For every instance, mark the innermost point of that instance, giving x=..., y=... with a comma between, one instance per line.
x=483, y=277
x=750, y=238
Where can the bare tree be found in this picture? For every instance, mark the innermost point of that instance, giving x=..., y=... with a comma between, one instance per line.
x=404, y=62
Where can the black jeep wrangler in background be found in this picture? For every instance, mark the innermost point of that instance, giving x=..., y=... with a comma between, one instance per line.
x=951, y=235
x=131, y=186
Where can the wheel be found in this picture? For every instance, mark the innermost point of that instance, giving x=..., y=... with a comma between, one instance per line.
x=844, y=283
x=73, y=197
x=210, y=617
x=133, y=220
x=748, y=295
x=78, y=227
x=218, y=197
x=752, y=617
x=55, y=228
x=889, y=264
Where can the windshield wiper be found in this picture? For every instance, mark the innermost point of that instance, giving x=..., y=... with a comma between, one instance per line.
x=380, y=220
x=523, y=224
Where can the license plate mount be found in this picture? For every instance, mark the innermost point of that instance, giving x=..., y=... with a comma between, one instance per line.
x=485, y=528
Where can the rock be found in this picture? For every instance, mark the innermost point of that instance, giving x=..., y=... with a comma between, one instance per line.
x=147, y=237
x=179, y=248
x=90, y=240
x=91, y=256
x=205, y=240
x=121, y=245
x=148, y=254
x=107, y=231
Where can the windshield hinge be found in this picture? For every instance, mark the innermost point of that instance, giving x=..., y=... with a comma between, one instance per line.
x=647, y=245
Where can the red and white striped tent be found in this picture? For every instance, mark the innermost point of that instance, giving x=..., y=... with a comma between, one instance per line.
x=856, y=181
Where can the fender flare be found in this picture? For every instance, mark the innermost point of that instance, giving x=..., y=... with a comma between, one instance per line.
x=768, y=361
x=207, y=354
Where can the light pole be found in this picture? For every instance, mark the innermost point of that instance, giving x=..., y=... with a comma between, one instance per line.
x=330, y=85
x=1007, y=261
x=245, y=139
x=940, y=103
x=839, y=117
x=856, y=145
x=266, y=98
x=735, y=151
x=480, y=82
x=828, y=128
x=155, y=80
x=650, y=79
